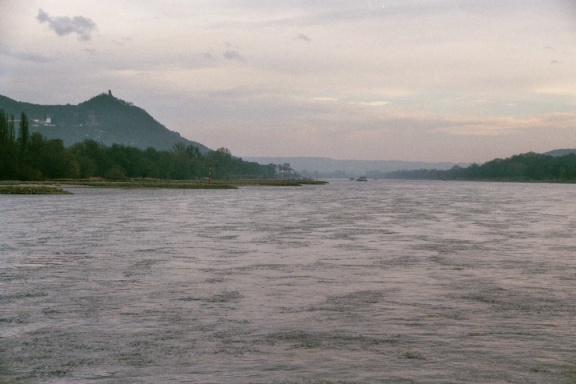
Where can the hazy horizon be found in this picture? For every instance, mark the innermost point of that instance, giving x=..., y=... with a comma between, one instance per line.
x=424, y=81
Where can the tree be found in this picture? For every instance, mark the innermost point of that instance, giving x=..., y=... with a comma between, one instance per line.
x=24, y=137
x=219, y=162
x=8, y=147
x=225, y=152
x=3, y=128
x=179, y=148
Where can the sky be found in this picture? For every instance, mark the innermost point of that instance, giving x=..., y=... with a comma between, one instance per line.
x=433, y=80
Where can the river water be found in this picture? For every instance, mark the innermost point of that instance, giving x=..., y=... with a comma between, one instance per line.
x=376, y=282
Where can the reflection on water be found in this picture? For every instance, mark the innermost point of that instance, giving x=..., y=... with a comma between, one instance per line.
x=378, y=282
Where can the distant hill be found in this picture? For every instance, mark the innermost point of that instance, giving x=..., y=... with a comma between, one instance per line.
x=524, y=167
x=560, y=152
x=330, y=168
x=104, y=118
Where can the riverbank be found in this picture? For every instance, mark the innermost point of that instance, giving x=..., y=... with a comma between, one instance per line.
x=31, y=190
x=57, y=186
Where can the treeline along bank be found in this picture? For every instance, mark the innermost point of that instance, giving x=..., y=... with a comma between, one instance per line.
x=25, y=156
x=524, y=167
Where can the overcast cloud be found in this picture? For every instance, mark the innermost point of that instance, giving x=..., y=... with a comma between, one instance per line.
x=64, y=25
x=426, y=80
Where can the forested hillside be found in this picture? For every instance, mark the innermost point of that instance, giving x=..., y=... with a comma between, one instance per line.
x=104, y=118
x=31, y=156
x=524, y=167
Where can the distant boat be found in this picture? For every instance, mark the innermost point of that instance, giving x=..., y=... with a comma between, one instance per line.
x=362, y=178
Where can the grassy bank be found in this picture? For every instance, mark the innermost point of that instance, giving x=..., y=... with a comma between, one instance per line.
x=55, y=186
x=274, y=182
x=31, y=190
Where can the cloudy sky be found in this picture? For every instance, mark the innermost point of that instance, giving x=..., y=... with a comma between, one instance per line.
x=422, y=80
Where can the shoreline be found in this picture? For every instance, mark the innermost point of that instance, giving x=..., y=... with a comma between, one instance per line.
x=57, y=186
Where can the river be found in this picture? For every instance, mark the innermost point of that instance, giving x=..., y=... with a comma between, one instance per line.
x=350, y=282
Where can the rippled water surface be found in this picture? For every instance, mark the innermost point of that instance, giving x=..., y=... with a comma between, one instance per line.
x=377, y=282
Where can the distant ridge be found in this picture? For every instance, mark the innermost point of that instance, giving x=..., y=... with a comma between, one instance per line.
x=331, y=168
x=560, y=152
x=103, y=118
